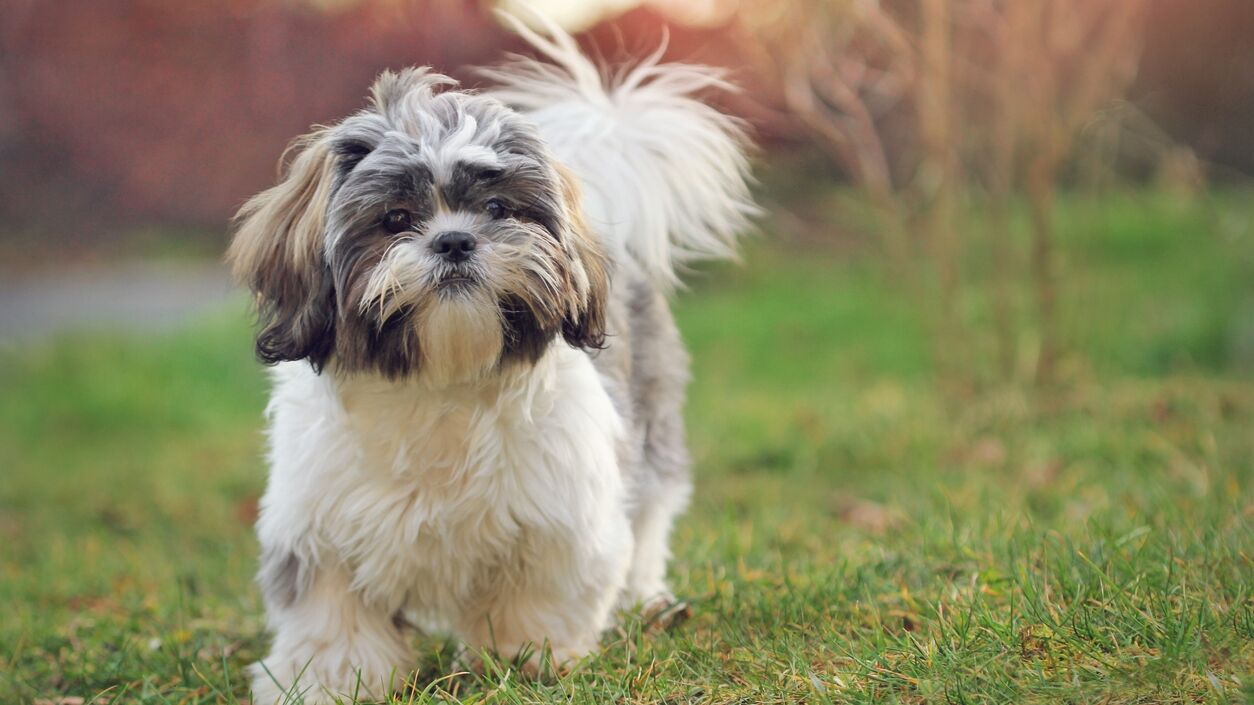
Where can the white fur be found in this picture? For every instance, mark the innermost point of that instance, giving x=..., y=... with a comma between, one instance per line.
x=665, y=175
x=494, y=510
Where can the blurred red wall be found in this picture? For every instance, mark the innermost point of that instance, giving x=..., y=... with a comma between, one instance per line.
x=150, y=110
x=122, y=112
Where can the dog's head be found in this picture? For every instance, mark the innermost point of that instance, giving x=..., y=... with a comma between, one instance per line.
x=432, y=234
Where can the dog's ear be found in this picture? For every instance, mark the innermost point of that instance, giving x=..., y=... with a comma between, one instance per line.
x=278, y=253
x=588, y=278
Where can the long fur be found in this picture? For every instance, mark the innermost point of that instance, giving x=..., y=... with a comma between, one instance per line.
x=489, y=445
x=665, y=175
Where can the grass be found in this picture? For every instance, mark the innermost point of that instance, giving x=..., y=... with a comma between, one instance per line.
x=856, y=536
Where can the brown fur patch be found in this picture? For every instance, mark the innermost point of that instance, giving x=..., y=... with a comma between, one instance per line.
x=589, y=280
x=277, y=252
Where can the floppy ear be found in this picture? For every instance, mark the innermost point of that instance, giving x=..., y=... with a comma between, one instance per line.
x=277, y=252
x=588, y=281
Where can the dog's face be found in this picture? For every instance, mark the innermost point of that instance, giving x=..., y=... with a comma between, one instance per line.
x=432, y=234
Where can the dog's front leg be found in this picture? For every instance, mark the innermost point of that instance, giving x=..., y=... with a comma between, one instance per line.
x=329, y=642
x=562, y=600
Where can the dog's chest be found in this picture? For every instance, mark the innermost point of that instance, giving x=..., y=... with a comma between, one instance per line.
x=443, y=502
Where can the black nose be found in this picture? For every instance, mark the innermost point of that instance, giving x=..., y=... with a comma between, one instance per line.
x=454, y=245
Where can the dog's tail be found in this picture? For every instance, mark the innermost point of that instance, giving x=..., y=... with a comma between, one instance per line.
x=665, y=176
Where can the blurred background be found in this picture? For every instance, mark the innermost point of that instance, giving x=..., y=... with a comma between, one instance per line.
x=1000, y=309
x=971, y=147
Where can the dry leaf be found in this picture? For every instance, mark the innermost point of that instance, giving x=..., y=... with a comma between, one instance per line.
x=988, y=451
x=869, y=516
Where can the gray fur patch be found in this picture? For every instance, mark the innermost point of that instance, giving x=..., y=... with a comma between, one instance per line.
x=645, y=368
x=659, y=383
x=283, y=577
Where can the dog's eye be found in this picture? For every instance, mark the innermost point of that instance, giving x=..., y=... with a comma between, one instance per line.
x=496, y=210
x=491, y=174
x=398, y=221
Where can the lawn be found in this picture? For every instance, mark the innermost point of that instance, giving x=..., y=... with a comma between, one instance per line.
x=856, y=534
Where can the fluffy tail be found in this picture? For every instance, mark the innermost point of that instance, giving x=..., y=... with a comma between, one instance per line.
x=665, y=176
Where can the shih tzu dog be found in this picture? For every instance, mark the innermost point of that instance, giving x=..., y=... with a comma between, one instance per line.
x=476, y=421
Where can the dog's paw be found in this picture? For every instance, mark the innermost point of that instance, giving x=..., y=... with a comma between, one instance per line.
x=531, y=663
x=267, y=690
x=664, y=612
